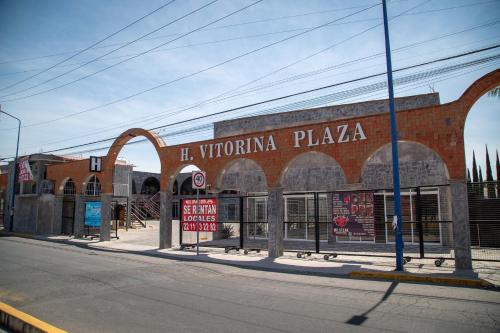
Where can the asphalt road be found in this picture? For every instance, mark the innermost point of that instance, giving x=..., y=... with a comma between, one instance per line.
x=82, y=290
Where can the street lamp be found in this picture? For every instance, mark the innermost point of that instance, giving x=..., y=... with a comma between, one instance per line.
x=394, y=143
x=13, y=179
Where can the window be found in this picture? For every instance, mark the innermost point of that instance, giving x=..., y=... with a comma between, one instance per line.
x=93, y=187
x=69, y=187
x=299, y=217
x=46, y=187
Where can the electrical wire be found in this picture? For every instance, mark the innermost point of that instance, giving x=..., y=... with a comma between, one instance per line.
x=110, y=52
x=89, y=47
x=356, y=91
x=197, y=72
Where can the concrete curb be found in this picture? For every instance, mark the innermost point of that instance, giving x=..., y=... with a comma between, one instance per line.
x=19, y=321
x=16, y=234
x=381, y=275
x=408, y=277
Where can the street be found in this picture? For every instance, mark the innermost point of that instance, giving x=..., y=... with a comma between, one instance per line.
x=83, y=290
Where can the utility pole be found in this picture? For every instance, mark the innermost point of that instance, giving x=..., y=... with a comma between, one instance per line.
x=394, y=142
x=14, y=174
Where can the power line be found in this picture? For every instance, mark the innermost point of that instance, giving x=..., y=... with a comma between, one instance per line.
x=162, y=114
x=346, y=95
x=197, y=72
x=91, y=46
x=207, y=29
x=110, y=52
x=250, y=22
x=315, y=90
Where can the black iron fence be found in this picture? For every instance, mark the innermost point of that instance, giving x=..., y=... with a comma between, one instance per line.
x=484, y=219
x=241, y=225
x=357, y=223
x=360, y=223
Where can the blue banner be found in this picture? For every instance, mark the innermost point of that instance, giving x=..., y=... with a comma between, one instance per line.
x=93, y=214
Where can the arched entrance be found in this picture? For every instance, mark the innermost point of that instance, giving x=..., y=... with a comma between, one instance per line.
x=481, y=143
x=152, y=203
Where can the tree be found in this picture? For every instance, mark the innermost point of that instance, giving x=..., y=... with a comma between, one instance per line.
x=498, y=168
x=468, y=176
x=475, y=177
x=489, y=176
x=495, y=92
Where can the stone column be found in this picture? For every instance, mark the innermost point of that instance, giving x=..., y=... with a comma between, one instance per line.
x=79, y=223
x=275, y=219
x=461, y=230
x=104, y=234
x=57, y=215
x=165, y=220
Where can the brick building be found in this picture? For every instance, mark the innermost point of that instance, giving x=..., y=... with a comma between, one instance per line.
x=289, y=158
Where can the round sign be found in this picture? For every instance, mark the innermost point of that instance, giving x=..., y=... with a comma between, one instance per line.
x=198, y=179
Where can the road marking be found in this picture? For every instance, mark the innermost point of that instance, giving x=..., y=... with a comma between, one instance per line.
x=11, y=312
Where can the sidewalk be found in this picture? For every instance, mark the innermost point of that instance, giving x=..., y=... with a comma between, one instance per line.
x=353, y=265
x=358, y=266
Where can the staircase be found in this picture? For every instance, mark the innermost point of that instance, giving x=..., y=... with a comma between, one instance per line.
x=152, y=206
x=140, y=210
x=137, y=216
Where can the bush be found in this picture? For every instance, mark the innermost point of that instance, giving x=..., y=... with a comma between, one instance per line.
x=227, y=231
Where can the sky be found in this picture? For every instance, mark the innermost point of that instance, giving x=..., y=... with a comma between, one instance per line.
x=196, y=58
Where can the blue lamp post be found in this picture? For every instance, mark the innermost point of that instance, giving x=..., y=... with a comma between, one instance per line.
x=394, y=143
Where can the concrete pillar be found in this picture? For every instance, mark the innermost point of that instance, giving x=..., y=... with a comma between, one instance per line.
x=461, y=230
x=79, y=222
x=165, y=220
x=104, y=233
x=275, y=218
x=57, y=215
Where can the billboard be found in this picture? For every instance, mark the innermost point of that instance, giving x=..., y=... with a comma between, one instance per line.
x=352, y=214
x=205, y=212
x=93, y=214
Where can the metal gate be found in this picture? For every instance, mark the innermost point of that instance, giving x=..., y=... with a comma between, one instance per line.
x=68, y=215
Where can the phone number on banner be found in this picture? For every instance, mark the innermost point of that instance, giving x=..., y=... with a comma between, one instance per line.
x=203, y=226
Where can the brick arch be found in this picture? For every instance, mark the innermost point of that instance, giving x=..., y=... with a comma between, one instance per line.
x=60, y=187
x=245, y=180
x=308, y=171
x=169, y=179
x=478, y=89
x=116, y=147
x=83, y=185
x=418, y=165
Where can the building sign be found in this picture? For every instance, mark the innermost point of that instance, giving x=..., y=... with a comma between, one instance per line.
x=205, y=212
x=302, y=138
x=352, y=214
x=93, y=214
x=25, y=174
x=95, y=164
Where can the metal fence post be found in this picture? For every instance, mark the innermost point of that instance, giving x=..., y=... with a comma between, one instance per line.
x=316, y=220
x=180, y=223
x=241, y=222
x=420, y=223
x=478, y=235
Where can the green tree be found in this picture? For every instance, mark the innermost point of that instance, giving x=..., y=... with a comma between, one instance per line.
x=475, y=177
x=489, y=176
x=498, y=168
x=494, y=92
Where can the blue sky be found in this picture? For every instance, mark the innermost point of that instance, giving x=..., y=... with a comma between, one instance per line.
x=36, y=35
